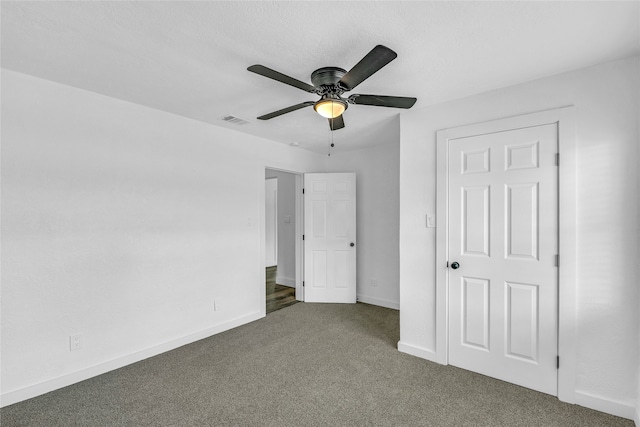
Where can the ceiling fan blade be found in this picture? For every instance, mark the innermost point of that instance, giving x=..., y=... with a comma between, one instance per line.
x=383, y=101
x=273, y=74
x=372, y=62
x=286, y=110
x=337, y=123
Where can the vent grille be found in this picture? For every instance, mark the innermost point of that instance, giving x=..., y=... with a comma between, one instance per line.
x=235, y=120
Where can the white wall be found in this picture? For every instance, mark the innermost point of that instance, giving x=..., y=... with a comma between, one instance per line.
x=606, y=100
x=286, y=274
x=637, y=415
x=123, y=224
x=377, y=184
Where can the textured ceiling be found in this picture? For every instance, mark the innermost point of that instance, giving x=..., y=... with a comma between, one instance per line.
x=190, y=58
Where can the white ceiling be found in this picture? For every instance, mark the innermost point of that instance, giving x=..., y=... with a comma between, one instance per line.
x=190, y=58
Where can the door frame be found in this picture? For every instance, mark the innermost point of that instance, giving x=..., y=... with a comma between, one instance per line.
x=299, y=230
x=275, y=219
x=565, y=120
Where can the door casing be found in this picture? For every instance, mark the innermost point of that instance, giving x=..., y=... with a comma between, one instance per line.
x=271, y=230
x=565, y=119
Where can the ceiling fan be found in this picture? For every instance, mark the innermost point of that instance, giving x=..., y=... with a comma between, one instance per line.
x=330, y=83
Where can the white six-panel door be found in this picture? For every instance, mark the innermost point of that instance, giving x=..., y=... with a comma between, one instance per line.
x=330, y=237
x=503, y=233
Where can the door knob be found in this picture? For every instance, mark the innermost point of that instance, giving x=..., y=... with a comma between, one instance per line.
x=455, y=265
x=352, y=244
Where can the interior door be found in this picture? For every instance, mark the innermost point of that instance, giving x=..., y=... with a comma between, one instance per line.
x=330, y=237
x=503, y=242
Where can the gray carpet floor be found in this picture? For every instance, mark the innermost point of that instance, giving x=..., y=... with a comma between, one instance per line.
x=305, y=365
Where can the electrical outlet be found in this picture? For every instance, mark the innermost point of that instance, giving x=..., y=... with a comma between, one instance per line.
x=373, y=282
x=75, y=342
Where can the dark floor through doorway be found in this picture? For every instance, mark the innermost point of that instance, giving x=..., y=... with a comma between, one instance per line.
x=278, y=296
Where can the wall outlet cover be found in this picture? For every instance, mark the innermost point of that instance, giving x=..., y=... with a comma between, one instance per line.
x=75, y=342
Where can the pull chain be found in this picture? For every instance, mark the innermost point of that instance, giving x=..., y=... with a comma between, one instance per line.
x=331, y=145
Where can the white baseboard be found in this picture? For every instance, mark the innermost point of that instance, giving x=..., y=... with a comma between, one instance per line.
x=583, y=399
x=380, y=302
x=606, y=405
x=420, y=352
x=29, y=392
x=286, y=281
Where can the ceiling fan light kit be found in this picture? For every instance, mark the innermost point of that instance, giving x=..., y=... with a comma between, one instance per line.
x=330, y=106
x=331, y=82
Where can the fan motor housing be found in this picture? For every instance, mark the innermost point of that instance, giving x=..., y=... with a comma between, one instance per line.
x=327, y=76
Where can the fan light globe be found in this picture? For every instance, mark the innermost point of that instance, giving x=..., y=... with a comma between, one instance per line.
x=330, y=108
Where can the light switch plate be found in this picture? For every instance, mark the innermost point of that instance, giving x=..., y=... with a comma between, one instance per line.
x=431, y=221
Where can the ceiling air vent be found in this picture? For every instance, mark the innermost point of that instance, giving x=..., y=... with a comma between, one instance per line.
x=235, y=120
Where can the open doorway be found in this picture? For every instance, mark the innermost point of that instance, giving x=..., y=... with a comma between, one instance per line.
x=283, y=235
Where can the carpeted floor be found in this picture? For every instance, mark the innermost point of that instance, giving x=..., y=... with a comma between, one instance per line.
x=305, y=365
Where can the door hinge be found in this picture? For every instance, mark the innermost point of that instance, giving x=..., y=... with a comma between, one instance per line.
x=303, y=283
x=303, y=191
x=557, y=159
x=303, y=237
x=557, y=260
x=447, y=264
x=557, y=362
